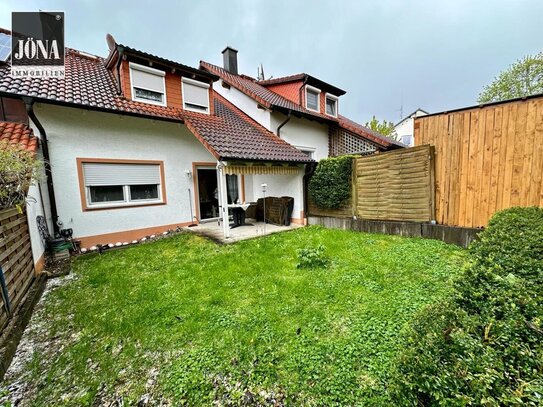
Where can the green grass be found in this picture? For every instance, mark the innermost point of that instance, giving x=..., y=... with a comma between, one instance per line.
x=188, y=321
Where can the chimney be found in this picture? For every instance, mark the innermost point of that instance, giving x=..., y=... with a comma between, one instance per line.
x=230, y=60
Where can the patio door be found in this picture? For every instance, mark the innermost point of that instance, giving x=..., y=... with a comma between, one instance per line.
x=208, y=193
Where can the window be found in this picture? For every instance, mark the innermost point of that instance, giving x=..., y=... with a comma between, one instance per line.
x=195, y=95
x=112, y=184
x=148, y=84
x=307, y=150
x=232, y=188
x=5, y=47
x=331, y=105
x=312, y=96
x=13, y=110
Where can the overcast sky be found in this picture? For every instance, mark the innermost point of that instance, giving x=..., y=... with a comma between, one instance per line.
x=386, y=54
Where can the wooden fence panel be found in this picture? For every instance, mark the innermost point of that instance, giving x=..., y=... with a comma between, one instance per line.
x=486, y=159
x=16, y=260
x=396, y=185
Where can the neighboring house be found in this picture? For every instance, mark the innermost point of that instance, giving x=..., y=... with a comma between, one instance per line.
x=405, y=128
x=138, y=144
x=301, y=109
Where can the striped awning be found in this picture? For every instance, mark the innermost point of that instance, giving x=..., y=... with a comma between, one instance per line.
x=262, y=169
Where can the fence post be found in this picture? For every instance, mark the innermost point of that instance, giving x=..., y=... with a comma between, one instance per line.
x=354, y=189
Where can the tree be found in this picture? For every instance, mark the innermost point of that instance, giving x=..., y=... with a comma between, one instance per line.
x=385, y=128
x=523, y=78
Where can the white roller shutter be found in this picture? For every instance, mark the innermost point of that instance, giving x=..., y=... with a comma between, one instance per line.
x=195, y=94
x=147, y=80
x=96, y=174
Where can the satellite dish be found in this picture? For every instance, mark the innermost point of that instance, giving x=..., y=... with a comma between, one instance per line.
x=110, y=42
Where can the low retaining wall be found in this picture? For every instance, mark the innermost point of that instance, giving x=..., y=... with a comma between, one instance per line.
x=448, y=234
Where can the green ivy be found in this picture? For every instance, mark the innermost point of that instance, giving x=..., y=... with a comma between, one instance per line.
x=484, y=346
x=330, y=187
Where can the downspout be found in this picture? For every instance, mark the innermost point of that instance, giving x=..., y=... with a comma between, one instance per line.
x=118, y=68
x=29, y=103
x=300, y=90
x=309, y=171
x=284, y=122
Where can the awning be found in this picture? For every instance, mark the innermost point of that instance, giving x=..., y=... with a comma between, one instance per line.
x=262, y=169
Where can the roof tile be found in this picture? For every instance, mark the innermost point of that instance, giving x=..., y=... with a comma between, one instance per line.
x=20, y=134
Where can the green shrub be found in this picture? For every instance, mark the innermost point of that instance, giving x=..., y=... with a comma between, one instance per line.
x=18, y=170
x=484, y=346
x=312, y=257
x=330, y=186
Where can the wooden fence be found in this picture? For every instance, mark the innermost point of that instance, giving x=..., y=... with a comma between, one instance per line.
x=396, y=185
x=486, y=159
x=16, y=262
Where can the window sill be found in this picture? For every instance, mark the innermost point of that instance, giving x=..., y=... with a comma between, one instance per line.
x=121, y=206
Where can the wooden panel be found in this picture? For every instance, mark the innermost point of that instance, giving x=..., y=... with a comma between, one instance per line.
x=16, y=260
x=487, y=159
x=396, y=185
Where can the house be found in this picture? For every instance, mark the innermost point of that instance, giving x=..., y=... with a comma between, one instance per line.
x=136, y=144
x=405, y=127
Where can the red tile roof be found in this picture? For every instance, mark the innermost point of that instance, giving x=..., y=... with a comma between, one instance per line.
x=261, y=94
x=270, y=99
x=20, y=134
x=88, y=83
x=283, y=79
x=231, y=134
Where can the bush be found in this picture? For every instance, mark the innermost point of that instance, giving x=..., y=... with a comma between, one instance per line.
x=484, y=346
x=330, y=187
x=18, y=170
x=312, y=258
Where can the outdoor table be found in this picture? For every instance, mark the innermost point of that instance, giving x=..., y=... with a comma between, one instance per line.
x=238, y=213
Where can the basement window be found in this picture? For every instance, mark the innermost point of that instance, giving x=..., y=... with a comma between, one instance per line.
x=148, y=84
x=195, y=95
x=312, y=96
x=117, y=184
x=331, y=105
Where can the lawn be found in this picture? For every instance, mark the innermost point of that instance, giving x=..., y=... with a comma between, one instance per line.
x=186, y=321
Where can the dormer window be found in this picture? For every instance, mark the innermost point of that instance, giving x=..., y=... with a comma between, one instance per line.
x=148, y=84
x=331, y=105
x=195, y=95
x=312, y=96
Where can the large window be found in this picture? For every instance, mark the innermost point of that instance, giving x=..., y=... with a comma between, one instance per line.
x=112, y=184
x=312, y=96
x=195, y=95
x=148, y=84
x=331, y=105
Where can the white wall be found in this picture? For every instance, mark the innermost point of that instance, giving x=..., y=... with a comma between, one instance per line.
x=303, y=134
x=407, y=128
x=278, y=185
x=245, y=104
x=76, y=133
x=38, y=204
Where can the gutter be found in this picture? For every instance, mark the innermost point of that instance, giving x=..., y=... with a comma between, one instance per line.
x=284, y=122
x=29, y=103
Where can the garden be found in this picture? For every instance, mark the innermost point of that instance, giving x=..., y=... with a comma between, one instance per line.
x=306, y=317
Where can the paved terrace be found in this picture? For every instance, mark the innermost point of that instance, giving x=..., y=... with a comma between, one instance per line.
x=253, y=229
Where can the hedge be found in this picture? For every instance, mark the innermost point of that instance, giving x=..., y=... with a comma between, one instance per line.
x=484, y=346
x=330, y=186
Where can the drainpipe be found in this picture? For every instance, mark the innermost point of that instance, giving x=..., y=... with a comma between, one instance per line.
x=282, y=124
x=121, y=52
x=309, y=171
x=300, y=90
x=29, y=103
